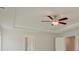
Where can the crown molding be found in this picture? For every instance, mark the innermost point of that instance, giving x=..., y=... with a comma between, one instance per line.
x=70, y=27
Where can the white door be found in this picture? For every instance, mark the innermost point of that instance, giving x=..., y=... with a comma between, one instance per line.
x=60, y=44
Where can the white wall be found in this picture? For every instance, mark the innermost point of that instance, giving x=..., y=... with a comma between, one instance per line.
x=14, y=40
x=60, y=44
x=44, y=42
x=0, y=37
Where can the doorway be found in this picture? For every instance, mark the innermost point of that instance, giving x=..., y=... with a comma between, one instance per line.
x=65, y=43
x=70, y=43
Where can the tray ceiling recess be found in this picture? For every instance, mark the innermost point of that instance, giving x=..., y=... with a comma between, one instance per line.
x=31, y=17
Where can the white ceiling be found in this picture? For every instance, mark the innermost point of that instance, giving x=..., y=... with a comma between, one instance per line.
x=30, y=17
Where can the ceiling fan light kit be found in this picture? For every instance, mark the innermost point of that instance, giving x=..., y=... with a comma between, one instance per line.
x=55, y=20
x=55, y=23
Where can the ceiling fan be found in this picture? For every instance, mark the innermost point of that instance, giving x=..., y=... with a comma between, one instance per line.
x=55, y=21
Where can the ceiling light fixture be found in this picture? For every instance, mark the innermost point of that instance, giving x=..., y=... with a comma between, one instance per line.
x=55, y=23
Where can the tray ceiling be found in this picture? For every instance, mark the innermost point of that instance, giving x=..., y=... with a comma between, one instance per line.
x=31, y=17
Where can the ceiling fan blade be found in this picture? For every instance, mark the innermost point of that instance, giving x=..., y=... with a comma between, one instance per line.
x=50, y=17
x=65, y=18
x=63, y=23
x=45, y=21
